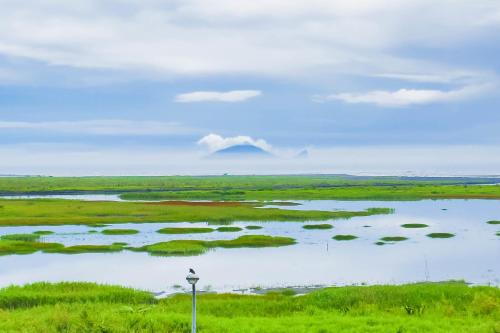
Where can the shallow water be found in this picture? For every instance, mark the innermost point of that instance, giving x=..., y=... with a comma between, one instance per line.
x=316, y=260
x=83, y=197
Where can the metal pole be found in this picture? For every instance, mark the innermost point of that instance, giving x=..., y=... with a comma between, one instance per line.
x=193, y=324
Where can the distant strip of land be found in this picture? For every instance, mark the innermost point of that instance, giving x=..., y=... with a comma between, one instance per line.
x=373, y=192
x=87, y=307
x=219, y=185
x=240, y=188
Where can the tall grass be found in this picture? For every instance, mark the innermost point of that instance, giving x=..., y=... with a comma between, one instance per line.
x=80, y=307
x=43, y=293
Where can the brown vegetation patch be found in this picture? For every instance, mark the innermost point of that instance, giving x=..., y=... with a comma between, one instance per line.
x=200, y=203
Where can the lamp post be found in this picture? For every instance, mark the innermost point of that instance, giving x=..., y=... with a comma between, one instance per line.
x=192, y=278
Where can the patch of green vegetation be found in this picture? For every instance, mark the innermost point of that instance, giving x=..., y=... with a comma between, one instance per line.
x=175, y=248
x=279, y=203
x=284, y=292
x=380, y=243
x=93, y=231
x=440, y=235
x=120, y=231
x=43, y=232
x=254, y=241
x=317, y=226
x=170, y=248
x=493, y=222
x=86, y=307
x=229, y=229
x=498, y=233
x=179, y=230
x=196, y=247
x=253, y=227
x=414, y=225
x=393, y=238
x=8, y=247
x=77, y=249
x=21, y=237
x=344, y=237
x=97, y=225
x=59, y=212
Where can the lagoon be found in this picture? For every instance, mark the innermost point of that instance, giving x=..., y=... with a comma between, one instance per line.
x=316, y=259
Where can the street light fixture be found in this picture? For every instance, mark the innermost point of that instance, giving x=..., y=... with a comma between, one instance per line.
x=192, y=278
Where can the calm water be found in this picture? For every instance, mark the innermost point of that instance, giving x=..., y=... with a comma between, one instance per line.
x=473, y=255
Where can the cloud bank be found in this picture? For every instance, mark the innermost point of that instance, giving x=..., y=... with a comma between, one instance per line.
x=199, y=37
x=406, y=97
x=214, y=142
x=217, y=96
x=101, y=127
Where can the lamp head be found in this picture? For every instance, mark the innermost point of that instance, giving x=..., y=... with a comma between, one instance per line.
x=192, y=278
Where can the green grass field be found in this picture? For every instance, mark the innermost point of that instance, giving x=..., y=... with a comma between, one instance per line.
x=259, y=187
x=59, y=212
x=85, y=307
x=161, y=183
x=372, y=192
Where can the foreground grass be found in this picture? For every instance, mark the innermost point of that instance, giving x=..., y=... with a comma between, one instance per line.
x=85, y=307
x=59, y=212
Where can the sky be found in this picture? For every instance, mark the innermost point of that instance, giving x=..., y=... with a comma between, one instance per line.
x=154, y=87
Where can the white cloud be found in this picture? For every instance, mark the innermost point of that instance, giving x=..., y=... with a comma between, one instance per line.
x=264, y=37
x=101, y=127
x=406, y=97
x=217, y=96
x=216, y=142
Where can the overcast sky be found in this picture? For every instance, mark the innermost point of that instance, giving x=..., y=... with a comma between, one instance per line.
x=152, y=87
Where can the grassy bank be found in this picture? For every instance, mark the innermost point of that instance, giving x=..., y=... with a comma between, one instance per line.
x=59, y=212
x=263, y=188
x=173, y=183
x=372, y=192
x=84, y=307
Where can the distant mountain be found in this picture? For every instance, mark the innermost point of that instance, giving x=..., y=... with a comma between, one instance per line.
x=242, y=150
x=304, y=153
